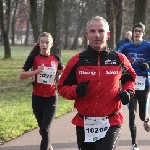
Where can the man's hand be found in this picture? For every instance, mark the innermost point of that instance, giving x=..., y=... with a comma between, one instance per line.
x=125, y=96
x=81, y=89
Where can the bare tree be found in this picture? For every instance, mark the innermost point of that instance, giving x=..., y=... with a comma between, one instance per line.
x=66, y=21
x=27, y=33
x=79, y=23
x=114, y=17
x=119, y=19
x=140, y=11
x=58, y=43
x=13, y=22
x=5, y=20
x=84, y=10
x=34, y=19
x=52, y=22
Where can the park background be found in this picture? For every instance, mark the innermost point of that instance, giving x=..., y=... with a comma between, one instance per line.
x=21, y=22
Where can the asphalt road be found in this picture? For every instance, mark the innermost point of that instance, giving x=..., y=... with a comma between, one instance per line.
x=63, y=136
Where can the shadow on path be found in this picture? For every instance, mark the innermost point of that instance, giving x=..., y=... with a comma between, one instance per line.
x=128, y=142
x=36, y=147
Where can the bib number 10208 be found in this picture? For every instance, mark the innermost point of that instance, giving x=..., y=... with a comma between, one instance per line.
x=96, y=130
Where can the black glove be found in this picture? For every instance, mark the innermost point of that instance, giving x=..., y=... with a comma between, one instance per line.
x=81, y=89
x=125, y=96
x=144, y=66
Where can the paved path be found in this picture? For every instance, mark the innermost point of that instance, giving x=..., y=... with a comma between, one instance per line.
x=63, y=136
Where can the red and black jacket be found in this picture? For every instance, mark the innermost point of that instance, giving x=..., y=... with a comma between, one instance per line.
x=33, y=61
x=105, y=70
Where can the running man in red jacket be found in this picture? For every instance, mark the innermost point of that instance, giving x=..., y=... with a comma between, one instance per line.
x=92, y=79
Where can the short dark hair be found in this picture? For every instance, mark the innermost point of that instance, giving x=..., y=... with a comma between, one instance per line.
x=98, y=18
x=140, y=25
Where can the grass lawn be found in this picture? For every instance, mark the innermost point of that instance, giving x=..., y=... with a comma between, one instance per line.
x=16, y=115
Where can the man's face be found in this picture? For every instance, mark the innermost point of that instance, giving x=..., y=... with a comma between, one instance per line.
x=138, y=34
x=128, y=36
x=97, y=34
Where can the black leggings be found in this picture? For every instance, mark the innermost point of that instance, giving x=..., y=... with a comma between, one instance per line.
x=44, y=110
x=141, y=96
x=109, y=142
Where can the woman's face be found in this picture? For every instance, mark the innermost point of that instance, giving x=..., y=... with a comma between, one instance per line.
x=45, y=45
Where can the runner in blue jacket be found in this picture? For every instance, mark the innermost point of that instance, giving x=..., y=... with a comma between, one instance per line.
x=138, y=53
x=126, y=39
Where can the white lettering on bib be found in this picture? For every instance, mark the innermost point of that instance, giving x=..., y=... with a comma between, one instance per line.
x=95, y=128
x=47, y=76
x=140, y=83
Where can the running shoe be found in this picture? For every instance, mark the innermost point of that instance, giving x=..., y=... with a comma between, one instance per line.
x=50, y=147
x=147, y=124
x=134, y=147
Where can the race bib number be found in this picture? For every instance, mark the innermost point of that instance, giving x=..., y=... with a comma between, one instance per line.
x=140, y=83
x=47, y=76
x=95, y=128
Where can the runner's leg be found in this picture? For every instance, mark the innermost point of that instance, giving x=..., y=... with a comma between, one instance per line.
x=37, y=106
x=132, y=114
x=48, y=116
x=44, y=110
x=142, y=97
x=80, y=140
x=111, y=137
x=109, y=142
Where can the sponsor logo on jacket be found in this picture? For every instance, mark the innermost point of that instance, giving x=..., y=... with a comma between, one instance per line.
x=110, y=62
x=112, y=72
x=87, y=72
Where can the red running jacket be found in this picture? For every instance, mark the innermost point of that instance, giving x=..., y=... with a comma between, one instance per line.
x=33, y=61
x=105, y=70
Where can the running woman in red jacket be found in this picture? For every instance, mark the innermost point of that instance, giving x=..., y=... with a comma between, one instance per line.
x=44, y=66
x=92, y=79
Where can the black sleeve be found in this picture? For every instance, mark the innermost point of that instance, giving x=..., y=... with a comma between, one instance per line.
x=60, y=62
x=126, y=77
x=29, y=62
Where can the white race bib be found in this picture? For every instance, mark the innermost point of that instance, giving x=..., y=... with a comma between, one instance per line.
x=95, y=128
x=140, y=83
x=47, y=76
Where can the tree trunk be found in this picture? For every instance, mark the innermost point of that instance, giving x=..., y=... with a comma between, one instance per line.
x=85, y=41
x=110, y=17
x=114, y=18
x=49, y=17
x=52, y=22
x=119, y=19
x=58, y=43
x=5, y=28
x=13, y=24
x=75, y=42
x=66, y=37
x=140, y=11
x=34, y=19
x=67, y=21
x=80, y=23
x=27, y=33
x=7, y=48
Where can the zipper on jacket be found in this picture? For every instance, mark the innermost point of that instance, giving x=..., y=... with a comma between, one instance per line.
x=98, y=83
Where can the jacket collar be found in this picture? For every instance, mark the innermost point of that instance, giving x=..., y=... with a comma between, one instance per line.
x=91, y=50
x=137, y=43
